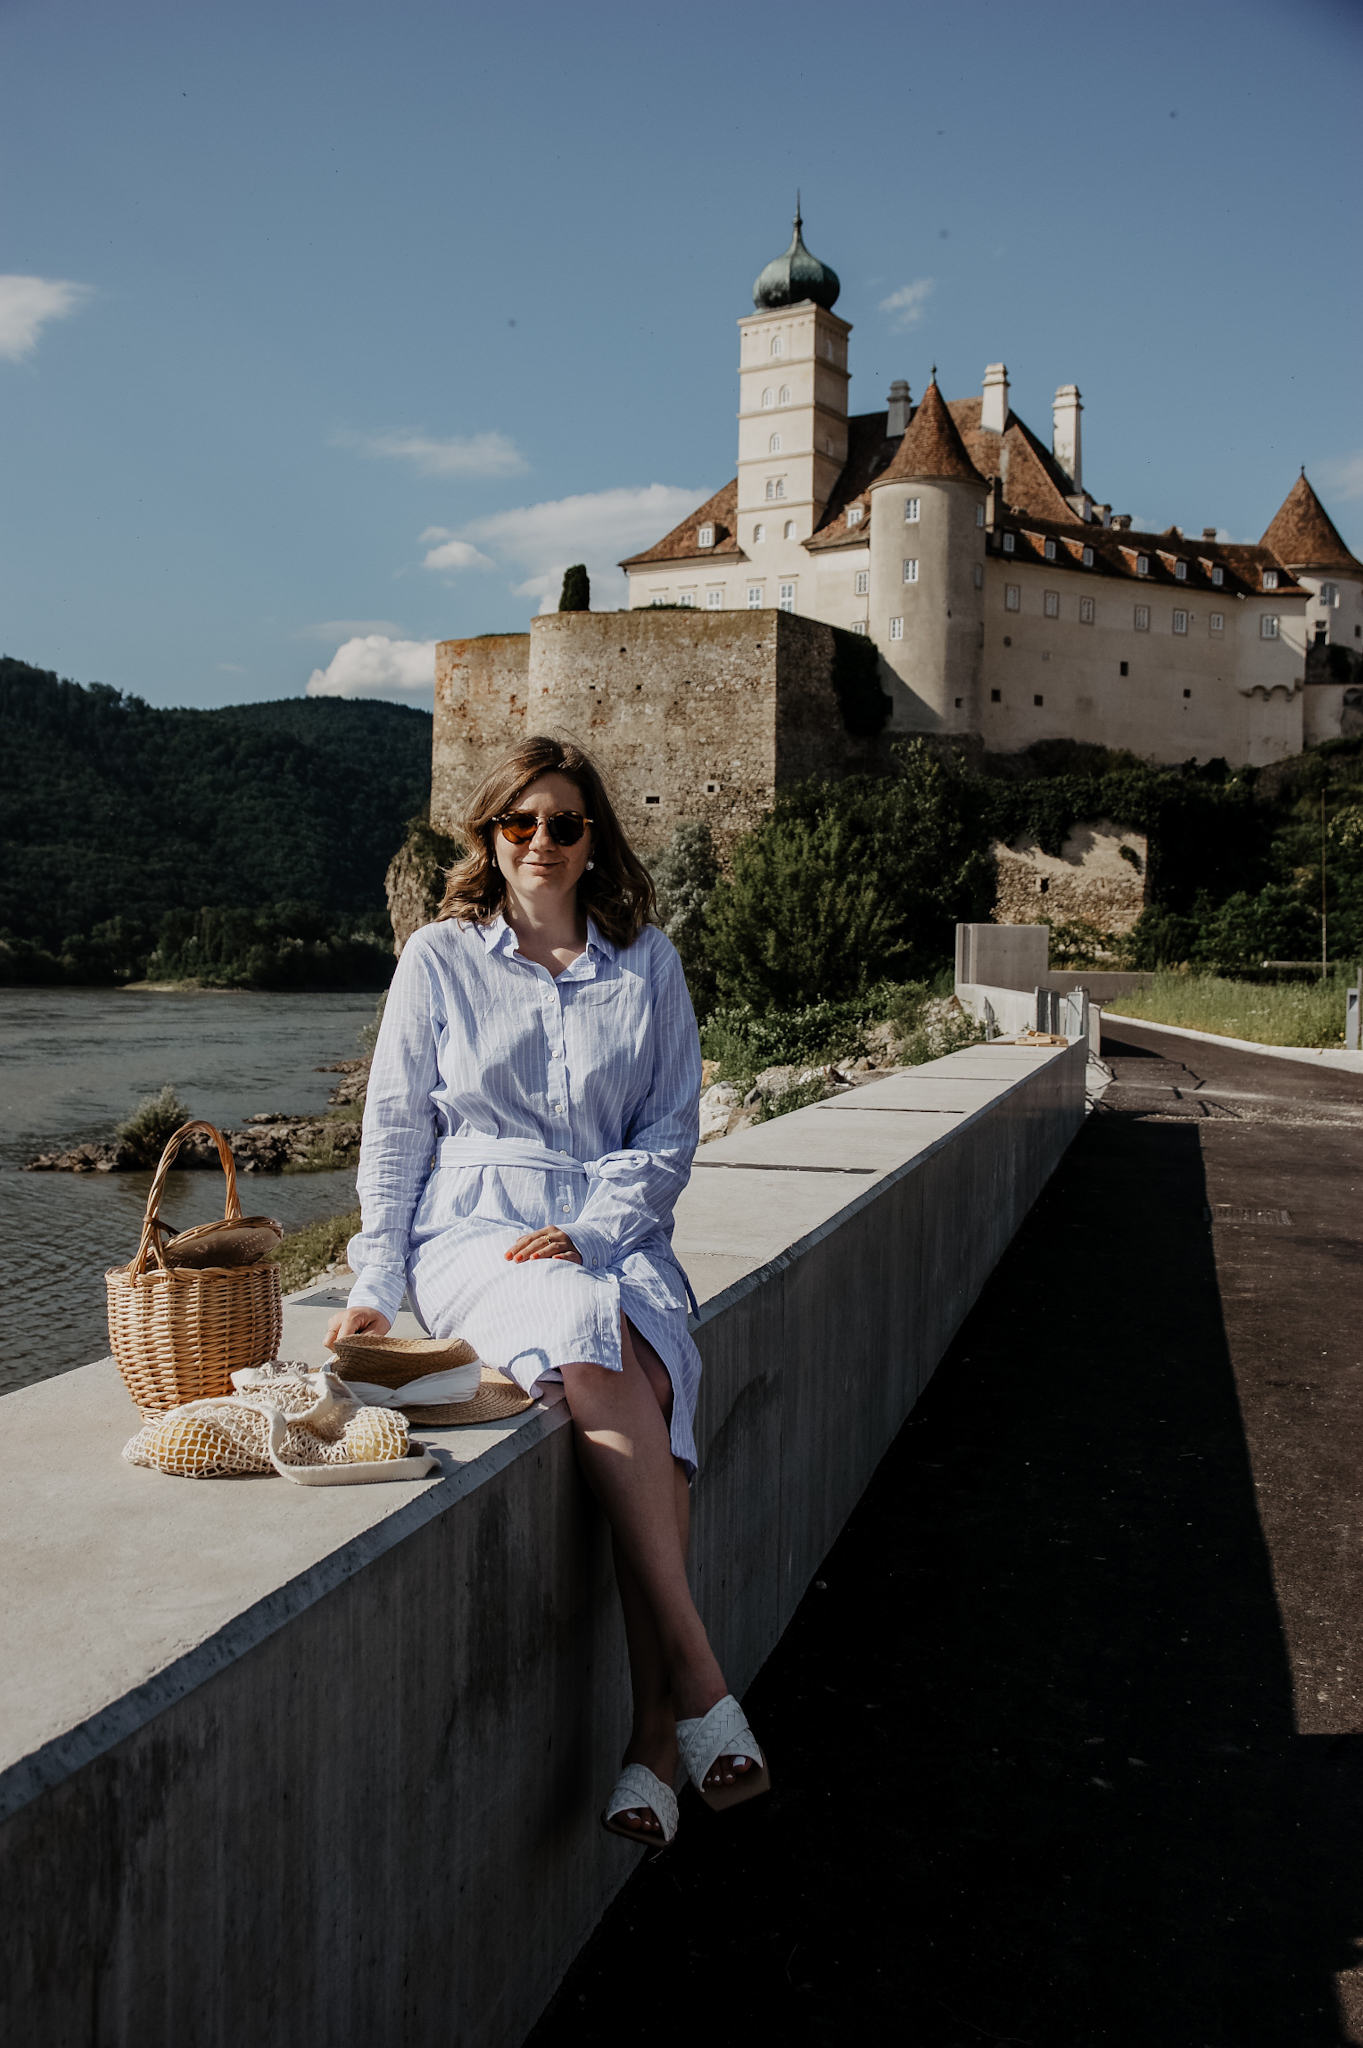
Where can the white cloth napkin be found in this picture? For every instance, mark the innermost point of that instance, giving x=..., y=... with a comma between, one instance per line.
x=460, y=1383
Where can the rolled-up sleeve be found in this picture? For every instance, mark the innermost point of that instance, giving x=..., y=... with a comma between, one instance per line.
x=399, y=1131
x=632, y=1191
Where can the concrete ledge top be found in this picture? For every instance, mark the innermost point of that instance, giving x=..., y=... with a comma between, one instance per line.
x=126, y=1588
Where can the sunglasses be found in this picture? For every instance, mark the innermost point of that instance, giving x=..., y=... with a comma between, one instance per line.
x=564, y=827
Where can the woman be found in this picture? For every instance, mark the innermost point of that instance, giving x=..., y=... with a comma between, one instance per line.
x=530, y=1120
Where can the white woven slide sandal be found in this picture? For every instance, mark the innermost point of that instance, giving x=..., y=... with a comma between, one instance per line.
x=724, y=1731
x=637, y=1788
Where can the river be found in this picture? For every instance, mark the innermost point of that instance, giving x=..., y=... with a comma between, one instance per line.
x=73, y=1063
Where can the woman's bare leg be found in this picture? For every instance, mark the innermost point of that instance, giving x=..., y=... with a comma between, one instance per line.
x=623, y=1442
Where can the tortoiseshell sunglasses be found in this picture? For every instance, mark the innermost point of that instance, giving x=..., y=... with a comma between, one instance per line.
x=564, y=827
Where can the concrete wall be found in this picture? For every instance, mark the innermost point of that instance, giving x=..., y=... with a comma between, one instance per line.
x=1017, y=956
x=282, y=1765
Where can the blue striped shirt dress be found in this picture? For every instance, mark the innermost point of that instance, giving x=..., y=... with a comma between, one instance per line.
x=501, y=1100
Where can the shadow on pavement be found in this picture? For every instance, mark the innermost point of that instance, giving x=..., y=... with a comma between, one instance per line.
x=1037, y=1774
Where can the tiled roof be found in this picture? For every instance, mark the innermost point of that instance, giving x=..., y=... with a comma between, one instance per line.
x=1116, y=552
x=869, y=452
x=1303, y=532
x=681, y=544
x=1030, y=476
x=932, y=446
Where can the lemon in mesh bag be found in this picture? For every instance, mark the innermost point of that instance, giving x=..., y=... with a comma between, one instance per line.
x=283, y=1418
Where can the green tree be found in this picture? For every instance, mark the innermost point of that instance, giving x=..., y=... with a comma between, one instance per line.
x=577, y=589
x=684, y=876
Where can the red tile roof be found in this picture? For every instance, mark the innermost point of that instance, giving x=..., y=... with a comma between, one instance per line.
x=1116, y=553
x=681, y=544
x=1030, y=477
x=932, y=446
x=1303, y=533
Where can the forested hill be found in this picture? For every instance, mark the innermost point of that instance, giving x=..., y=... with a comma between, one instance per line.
x=111, y=808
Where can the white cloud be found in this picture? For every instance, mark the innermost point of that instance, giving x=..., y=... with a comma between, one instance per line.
x=480, y=455
x=909, y=302
x=596, y=527
x=26, y=306
x=230, y=668
x=452, y=553
x=332, y=631
x=1342, y=475
x=372, y=665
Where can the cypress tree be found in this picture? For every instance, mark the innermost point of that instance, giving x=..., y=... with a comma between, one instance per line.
x=577, y=589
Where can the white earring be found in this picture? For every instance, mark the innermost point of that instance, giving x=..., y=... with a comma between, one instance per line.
x=590, y=865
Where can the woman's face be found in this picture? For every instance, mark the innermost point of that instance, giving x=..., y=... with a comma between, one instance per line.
x=541, y=872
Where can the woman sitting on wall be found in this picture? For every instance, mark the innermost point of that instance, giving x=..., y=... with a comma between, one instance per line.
x=530, y=1121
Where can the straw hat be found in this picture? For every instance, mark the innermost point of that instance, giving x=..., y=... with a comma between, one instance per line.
x=394, y=1361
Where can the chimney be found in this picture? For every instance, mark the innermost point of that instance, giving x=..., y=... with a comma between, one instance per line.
x=994, y=411
x=1065, y=439
x=901, y=405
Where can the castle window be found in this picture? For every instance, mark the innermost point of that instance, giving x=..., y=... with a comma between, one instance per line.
x=828, y=350
x=1268, y=625
x=1012, y=597
x=863, y=583
x=768, y=396
x=787, y=600
x=1180, y=622
x=771, y=488
x=1124, y=668
x=774, y=445
x=1218, y=575
x=778, y=347
x=1270, y=579
x=1038, y=701
x=789, y=533
x=714, y=599
x=652, y=799
x=706, y=537
x=686, y=597
x=911, y=570
x=1086, y=611
x=1216, y=623
x=1052, y=604
x=1142, y=618
x=1088, y=558
x=896, y=629
x=828, y=444
x=911, y=511
x=1009, y=543
x=785, y=394
x=712, y=789
x=1050, y=551
x=859, y=625
x=979, y=575
x=780, y=487
x=996, y=696
x=979, y=515
x=759, y=533
x=754, y=597
x=1328, y=595
x=854, y=514
x=1180, y=572
x=1142, y=565
x=1187, y=693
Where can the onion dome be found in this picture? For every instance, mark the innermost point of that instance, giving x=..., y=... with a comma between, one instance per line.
x=795, y=276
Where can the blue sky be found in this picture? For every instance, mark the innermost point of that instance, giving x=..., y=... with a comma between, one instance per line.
x=345, y=327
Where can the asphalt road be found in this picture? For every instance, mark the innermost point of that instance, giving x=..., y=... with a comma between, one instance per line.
x=1068, y=1740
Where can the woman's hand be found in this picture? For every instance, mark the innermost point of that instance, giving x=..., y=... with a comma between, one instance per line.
x=353, y=1321
x=549, y=1243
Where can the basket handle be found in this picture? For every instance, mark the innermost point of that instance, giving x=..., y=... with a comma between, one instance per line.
x=152, y=1227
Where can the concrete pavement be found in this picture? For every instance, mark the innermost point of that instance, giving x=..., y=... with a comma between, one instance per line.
x=1067, y=1737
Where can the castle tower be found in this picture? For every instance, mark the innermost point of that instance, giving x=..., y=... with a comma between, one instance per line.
x=927, y=573
x=792, y=420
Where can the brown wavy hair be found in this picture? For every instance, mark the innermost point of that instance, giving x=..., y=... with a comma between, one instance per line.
x=617, y=893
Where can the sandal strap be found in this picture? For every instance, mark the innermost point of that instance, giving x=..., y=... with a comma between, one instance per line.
x=638, y=1787
x=724, y=1731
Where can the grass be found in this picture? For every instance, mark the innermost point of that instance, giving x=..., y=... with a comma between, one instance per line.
x=305, y=1253
x=1290, y=1013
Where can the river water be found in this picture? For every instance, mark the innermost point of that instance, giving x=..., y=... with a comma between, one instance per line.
x=73, y=1063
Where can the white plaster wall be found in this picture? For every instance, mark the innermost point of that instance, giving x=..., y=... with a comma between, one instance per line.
x=938, y=659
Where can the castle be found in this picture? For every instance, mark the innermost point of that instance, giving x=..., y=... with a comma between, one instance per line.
x=1004, y=604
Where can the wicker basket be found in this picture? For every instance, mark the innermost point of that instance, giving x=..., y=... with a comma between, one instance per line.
x=180, y=1332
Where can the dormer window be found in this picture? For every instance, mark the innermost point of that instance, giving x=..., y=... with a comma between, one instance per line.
x=1142, y=565
x=1088, y=558
x=768, y=396
x=1180, y=572
x=1218, y=575
x=1050, y=551
x=1270, y=579
x=1009, y=543
x=705, y=538
x=854, y=513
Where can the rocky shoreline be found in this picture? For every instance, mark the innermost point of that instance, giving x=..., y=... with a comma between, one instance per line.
x=267, y=1143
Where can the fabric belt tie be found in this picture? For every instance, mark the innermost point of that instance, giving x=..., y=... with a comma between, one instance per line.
x=524, y=1152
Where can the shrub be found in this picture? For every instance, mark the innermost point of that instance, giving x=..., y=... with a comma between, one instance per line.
x=305, y=1253
x=154, y=1122
x=684, y=875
